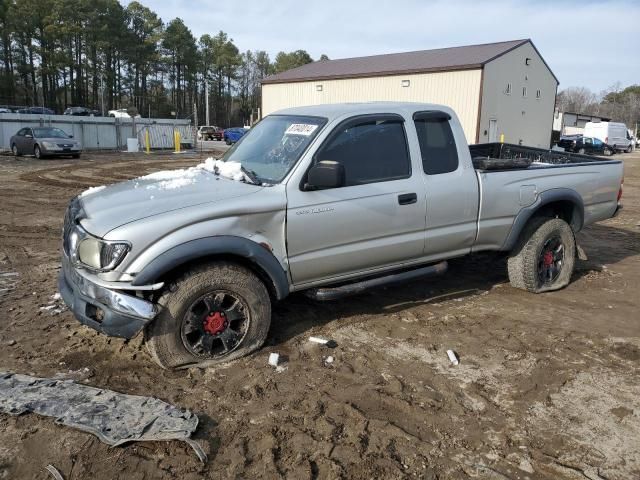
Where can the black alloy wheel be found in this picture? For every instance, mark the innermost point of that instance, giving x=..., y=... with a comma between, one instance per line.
x=215, y=324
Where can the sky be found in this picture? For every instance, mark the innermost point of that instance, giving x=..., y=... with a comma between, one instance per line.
x=590, y=43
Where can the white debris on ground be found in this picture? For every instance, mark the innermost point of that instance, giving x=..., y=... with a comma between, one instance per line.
x=274, y=359
x=453, y=357
x=75, y=375
x=170, y=179
x=55, y=305
x=91, y=190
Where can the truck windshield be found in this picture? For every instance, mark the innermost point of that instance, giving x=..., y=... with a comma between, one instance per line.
x=271, y=148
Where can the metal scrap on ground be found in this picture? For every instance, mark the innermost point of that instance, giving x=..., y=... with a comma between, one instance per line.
x=113, y=417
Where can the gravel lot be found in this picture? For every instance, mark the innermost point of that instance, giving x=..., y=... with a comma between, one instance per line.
x=548, y=385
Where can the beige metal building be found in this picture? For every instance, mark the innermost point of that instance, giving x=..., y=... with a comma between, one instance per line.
x=496, y=89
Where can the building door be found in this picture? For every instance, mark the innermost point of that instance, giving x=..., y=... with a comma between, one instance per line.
x=493, y=130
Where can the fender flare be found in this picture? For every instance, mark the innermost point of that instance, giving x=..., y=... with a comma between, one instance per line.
x=545, y=198
x=218, y=245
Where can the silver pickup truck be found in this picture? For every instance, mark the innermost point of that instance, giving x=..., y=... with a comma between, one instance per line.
x=328, y=199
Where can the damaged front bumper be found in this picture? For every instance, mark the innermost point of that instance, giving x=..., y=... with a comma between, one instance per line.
x=104, y=309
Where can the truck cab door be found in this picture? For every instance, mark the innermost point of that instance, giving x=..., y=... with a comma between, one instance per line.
x=374, y=220
x=452, y=191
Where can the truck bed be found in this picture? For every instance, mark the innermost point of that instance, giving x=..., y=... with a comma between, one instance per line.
x=506, y=156
x=512, y=177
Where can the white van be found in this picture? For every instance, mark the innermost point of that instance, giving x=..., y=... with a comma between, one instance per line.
x=612, y=133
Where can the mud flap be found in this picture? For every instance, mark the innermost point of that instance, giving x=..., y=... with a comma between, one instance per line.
x=581, y=253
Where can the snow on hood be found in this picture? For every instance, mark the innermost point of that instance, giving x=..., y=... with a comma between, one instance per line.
x=91, y=190
x=171, y=179
x=210, y=182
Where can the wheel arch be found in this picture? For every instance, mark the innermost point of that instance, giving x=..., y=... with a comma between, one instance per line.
x=563, y=203
x=248, y=253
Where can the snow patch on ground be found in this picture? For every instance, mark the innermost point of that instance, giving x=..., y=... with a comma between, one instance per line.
x=170, y=179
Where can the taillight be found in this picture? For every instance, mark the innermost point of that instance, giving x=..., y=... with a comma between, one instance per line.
x=620, y=191
x=606, y=139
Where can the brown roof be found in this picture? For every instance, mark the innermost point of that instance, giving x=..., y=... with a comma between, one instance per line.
x=441, y=59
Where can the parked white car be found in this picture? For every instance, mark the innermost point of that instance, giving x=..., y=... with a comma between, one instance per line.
x=611, y=133
x=120, y=113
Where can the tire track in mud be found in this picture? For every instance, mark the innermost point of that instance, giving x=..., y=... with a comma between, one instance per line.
x=98, y=174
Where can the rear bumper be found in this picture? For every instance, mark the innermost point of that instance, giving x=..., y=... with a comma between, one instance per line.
x=108, y=311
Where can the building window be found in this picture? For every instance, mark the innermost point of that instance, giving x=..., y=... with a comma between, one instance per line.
x=538, y=94
x=527, y=61
x=406, y=83
x=318, y=88
x=507, y=90
x=524, y=91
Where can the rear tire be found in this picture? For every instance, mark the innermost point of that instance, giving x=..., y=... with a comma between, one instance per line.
x=37, y=152
x=581, y=151
x=544, y=257
x=16, y=152
x=629, y=149
x=191, y=317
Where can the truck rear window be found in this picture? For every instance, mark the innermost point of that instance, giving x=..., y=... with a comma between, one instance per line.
x=437, y=145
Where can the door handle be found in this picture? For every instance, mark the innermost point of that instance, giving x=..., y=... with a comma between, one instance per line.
x=407, y=198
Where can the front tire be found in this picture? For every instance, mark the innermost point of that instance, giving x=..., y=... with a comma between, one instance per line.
x=581, y=151
x=544, y=258
x=212, y=314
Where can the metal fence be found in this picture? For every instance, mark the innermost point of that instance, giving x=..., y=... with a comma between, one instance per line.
x=101, y=133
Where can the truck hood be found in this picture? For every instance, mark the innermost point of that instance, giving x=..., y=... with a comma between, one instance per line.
x=109, y=207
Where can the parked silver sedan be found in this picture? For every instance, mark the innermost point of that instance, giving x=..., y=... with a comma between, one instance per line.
x=43, y=142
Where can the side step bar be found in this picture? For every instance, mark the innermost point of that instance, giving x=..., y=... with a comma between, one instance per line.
x=332, y=293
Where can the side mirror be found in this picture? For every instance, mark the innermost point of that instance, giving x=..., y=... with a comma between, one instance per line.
x=70, y=136
x=325, y=174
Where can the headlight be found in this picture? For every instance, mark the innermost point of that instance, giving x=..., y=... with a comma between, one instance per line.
x=101, y=255
x=50, y=146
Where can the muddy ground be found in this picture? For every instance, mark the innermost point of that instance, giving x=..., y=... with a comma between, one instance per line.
x=548, y=385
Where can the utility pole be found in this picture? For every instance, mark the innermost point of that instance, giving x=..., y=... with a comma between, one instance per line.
x=206, y=95
x=195, y=127
x=102, y=93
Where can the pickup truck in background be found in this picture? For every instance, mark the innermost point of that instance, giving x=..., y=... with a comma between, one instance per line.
x=331, y=200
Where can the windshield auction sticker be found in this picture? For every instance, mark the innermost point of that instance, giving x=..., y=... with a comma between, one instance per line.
x=305, y=129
